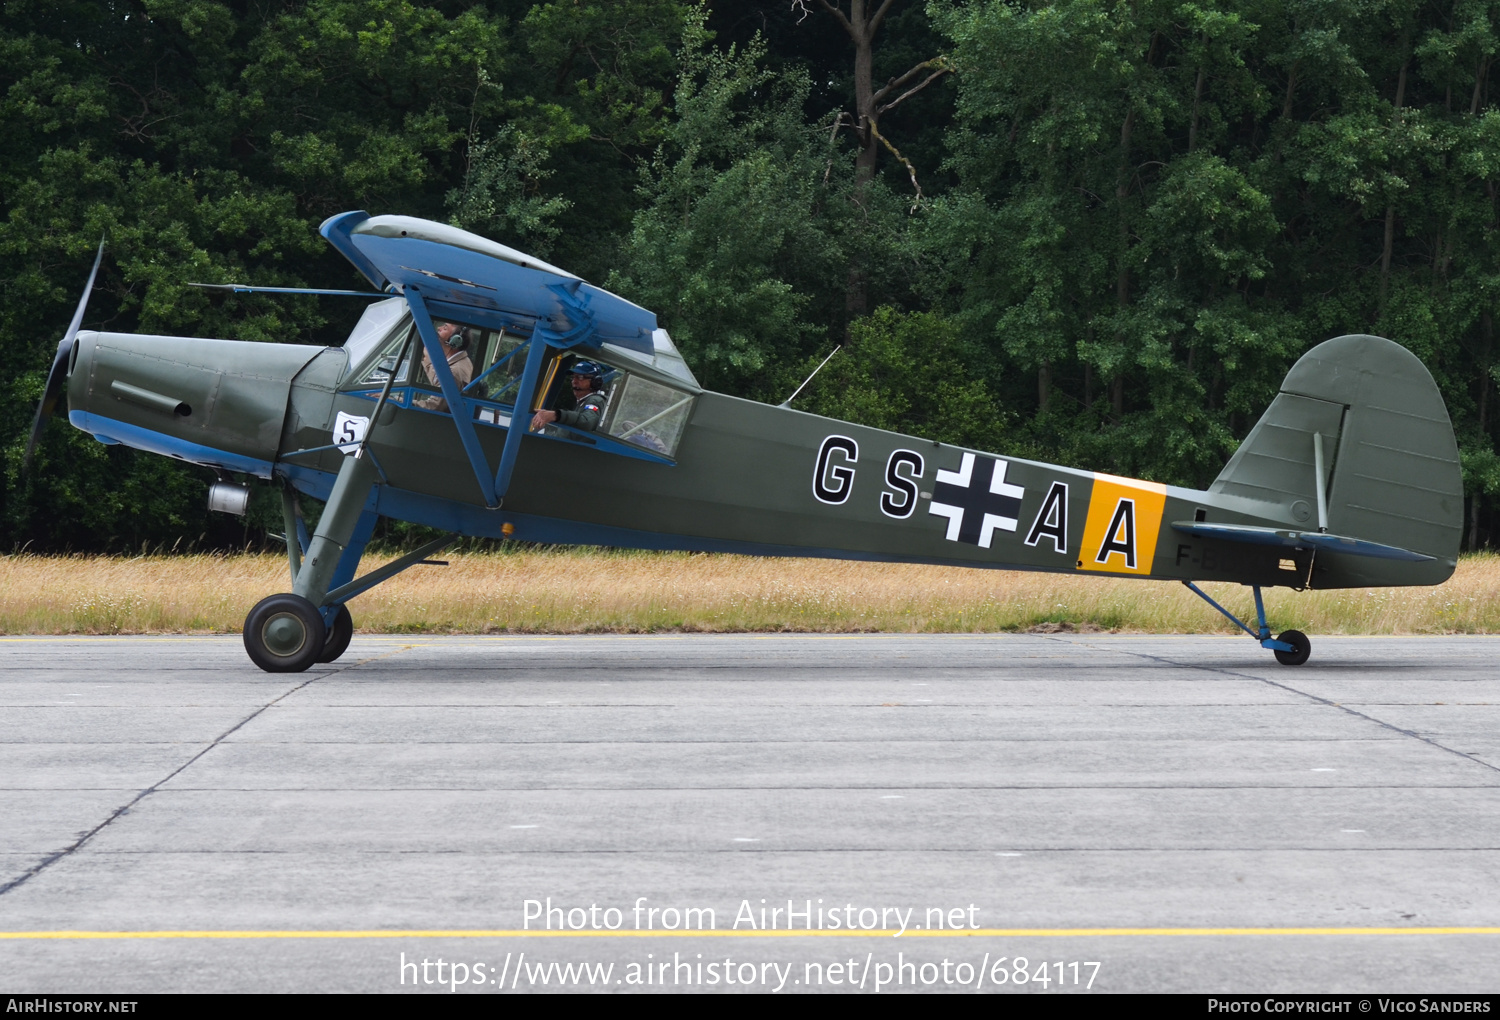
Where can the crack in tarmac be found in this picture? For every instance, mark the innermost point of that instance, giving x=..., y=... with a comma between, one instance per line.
x=1311, y=697
x=53, y=858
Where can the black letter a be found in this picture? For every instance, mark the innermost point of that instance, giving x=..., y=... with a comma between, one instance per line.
x=1052, y=519
x=1120, y=536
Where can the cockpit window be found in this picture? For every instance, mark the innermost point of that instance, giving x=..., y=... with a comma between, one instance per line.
x=499, y=365
x=384, y=363
x=612, y=401
x=647, y=414
x=492, y=370
x=376, y=326
x=616, y=400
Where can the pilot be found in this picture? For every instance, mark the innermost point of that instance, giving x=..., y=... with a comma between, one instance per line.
x=587, y=380
x=453, y=339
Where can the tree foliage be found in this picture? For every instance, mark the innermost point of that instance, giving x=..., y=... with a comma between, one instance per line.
x=1133, y=216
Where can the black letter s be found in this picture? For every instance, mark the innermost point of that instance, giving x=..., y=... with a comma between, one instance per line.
x=901, y=485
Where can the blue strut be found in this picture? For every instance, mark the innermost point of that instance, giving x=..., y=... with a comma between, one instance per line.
x=1264, y=636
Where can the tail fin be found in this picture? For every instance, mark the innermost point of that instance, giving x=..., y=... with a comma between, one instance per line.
x=1390, y=463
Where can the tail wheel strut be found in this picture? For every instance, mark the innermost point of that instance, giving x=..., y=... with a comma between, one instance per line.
x=1291, y=647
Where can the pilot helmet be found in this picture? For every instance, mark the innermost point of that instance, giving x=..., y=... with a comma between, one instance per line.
x=588, y=368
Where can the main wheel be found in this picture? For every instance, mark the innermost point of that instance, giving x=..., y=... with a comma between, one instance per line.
x=284, y=634
x=339, y=636
x=1301, y=648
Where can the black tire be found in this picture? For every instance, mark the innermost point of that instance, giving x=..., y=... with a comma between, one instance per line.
x=1301, y=648
x=284, y=634
x=339, y=636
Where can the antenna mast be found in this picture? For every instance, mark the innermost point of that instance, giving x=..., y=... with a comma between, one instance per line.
x=788, y=401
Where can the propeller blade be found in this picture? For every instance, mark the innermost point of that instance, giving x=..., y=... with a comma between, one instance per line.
x=83, y=302
x=48, y=403
x=57, y=377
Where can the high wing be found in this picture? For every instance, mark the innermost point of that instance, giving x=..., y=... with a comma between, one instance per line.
x=459, y=273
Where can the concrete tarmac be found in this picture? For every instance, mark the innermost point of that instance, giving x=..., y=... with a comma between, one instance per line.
x=1001, y=797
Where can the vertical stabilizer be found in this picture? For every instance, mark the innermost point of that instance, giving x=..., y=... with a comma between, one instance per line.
x=1389, y=459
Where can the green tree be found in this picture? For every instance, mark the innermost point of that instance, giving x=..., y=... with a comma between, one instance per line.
x=909, y=373
x=206, y=140
x=738, y=235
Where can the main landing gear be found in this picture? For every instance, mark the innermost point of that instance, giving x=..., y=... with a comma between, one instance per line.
x=340, y=633
x=289, y=633
x=1291, y=647
x=286, y=634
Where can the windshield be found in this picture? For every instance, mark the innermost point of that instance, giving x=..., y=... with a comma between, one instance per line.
x=380, y=367
x=664, y=357
x=379, y=322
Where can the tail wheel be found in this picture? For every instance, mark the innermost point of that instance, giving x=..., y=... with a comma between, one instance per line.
x=340, y=632
x=1301, y=648
x=284, y=634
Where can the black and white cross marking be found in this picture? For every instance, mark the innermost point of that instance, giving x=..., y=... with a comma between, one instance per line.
x=976, y=501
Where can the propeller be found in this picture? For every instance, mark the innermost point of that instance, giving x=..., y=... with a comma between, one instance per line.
x=57, y=378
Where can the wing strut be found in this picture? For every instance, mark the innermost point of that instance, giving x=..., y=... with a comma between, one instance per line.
x=245, y=288
x=458, y=407
x=520, y=421
x=580, y=330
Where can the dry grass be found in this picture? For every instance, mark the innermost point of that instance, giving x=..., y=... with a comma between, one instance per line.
x=583, y=590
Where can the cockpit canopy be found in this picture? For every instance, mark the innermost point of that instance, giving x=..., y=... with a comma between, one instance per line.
x=649, y=398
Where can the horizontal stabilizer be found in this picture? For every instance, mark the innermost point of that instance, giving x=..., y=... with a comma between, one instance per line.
x=1299, y=540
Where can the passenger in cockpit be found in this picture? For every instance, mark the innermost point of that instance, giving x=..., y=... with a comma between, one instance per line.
x=588, y=392
x=454, y=342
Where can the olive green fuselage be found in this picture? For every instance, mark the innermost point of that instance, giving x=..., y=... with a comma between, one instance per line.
x=747, y=477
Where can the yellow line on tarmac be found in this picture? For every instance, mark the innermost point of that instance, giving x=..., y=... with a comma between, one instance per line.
x=136, y=638
x=723, y=933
